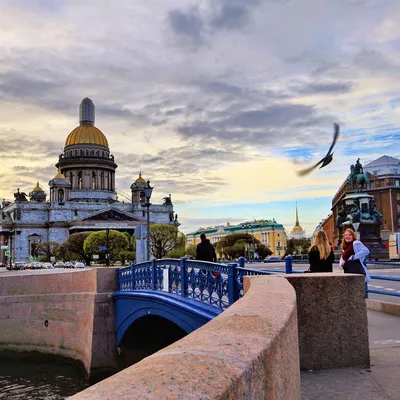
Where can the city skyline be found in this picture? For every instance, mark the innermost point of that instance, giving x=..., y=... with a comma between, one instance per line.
x=219, y=104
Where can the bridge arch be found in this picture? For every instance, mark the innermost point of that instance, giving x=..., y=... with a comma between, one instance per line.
x=186, y=314
x=145, y=336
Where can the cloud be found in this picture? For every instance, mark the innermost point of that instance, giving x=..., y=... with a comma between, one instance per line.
x=323, y=88
x=192, y=95
x=187, y=25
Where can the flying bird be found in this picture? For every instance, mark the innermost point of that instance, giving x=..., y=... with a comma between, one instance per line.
x=329, y=155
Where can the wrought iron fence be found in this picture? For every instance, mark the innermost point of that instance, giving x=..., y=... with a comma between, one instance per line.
x=219, y=285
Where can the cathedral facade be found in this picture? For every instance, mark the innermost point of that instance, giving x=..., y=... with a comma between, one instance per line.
x=82, y=197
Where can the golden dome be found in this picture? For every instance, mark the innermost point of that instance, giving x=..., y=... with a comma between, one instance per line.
x=59, y=175
x=37, y=188
x=86, y=134
x=140, y=179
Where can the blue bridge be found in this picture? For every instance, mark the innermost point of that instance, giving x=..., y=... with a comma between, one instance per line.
x=188, y=293
x=160, y=301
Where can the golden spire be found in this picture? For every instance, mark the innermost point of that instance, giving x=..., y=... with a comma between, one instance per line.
x=297, y=216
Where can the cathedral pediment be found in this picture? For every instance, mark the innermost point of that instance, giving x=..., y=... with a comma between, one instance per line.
x=110, y=215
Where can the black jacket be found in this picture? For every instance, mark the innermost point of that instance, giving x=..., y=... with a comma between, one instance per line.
x=318, y=265
x=205, y=251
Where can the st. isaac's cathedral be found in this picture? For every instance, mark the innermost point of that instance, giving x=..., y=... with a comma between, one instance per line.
x=82, y=196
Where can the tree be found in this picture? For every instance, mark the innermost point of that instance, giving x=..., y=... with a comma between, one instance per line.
x=263, y=251
x=179, y=250
x=191, y=251
x=234, y=245
x=62, y=252
x=116, y=242
x=47, y=249
x=298, y=246
x=163, y=238
x=75, y=247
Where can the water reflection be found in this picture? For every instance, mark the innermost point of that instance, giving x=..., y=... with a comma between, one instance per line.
x=21, y=379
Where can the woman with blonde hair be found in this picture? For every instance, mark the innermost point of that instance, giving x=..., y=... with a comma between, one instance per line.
x=321, y=255
x=353, y=257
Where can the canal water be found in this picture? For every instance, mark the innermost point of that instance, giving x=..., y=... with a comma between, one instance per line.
x=22, y=379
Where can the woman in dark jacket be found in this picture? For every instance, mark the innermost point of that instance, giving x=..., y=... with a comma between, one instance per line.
x=321, y=255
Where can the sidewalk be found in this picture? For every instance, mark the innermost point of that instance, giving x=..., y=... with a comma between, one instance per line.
x=380, y=382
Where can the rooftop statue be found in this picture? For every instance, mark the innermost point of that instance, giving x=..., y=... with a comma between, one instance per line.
x=18, y=196
x=357, y=178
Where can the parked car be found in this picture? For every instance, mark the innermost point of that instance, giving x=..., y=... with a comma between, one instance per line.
x=47, y=265
x=68, y=264
x=59, y=264
x=272, y=259
x=18, y=265
x=79, y=265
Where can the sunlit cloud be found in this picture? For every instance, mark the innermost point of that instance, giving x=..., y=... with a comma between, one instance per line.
x=218, y=103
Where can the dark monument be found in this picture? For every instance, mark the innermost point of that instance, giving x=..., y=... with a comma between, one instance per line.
x=358, y=211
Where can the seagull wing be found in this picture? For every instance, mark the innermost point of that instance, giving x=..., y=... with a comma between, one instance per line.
x=335, y=137
x=306, y=171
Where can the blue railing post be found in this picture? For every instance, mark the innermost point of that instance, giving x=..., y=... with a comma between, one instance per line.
x=153, y=274
x=288, y=264
x=233, y=289
x=241, y=262
x=184, y=280
x=133, y=277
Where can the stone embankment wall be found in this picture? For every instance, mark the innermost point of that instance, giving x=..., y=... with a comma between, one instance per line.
x=250, y=351
x=70, y=314
x=333, y=324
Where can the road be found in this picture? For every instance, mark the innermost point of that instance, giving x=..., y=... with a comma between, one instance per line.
x=390, y=286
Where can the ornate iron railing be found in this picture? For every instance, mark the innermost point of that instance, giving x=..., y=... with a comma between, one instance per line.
x=219, y=285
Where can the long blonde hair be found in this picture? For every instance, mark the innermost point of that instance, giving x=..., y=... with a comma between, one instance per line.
x=321, y=243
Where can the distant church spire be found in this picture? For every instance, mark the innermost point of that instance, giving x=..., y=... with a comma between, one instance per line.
x=86, y=112
x=298, y=231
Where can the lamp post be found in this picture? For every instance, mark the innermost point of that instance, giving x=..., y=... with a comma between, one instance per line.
x=148, y=190
x=107, y=250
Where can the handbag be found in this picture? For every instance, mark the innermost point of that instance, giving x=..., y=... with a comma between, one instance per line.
x=353, y=267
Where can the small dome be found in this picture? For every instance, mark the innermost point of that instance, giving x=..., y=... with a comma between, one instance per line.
x=59, y=175
x=37, y=188
x=86, y=134
x=140, y=179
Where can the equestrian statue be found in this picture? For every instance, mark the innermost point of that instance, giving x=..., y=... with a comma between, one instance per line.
x=357, y=177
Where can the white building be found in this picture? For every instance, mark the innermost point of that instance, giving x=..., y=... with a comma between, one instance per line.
x=82, y=197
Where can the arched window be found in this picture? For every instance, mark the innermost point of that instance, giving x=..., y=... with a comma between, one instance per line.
x=80, y=180
x=102, y=180
x=92, y=152
x=82, y=153
x=76, y=152
x=60, y=196
x=98, y=152
x=93, y=180
x=71, y=179
x=102, y=153
x=87, y=152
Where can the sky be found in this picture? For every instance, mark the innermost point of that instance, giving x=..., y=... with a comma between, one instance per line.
x=218, y=102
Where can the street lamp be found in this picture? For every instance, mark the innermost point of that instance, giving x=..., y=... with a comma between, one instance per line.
x=148, y=190
x=107, y=250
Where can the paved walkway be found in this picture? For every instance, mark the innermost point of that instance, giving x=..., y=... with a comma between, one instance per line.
x=380, y=382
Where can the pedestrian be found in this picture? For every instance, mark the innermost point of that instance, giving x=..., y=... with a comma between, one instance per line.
x=321, y=255
x=354, y=253
x=205, y=251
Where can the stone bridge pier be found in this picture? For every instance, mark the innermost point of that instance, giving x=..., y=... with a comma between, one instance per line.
x=69, y=314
